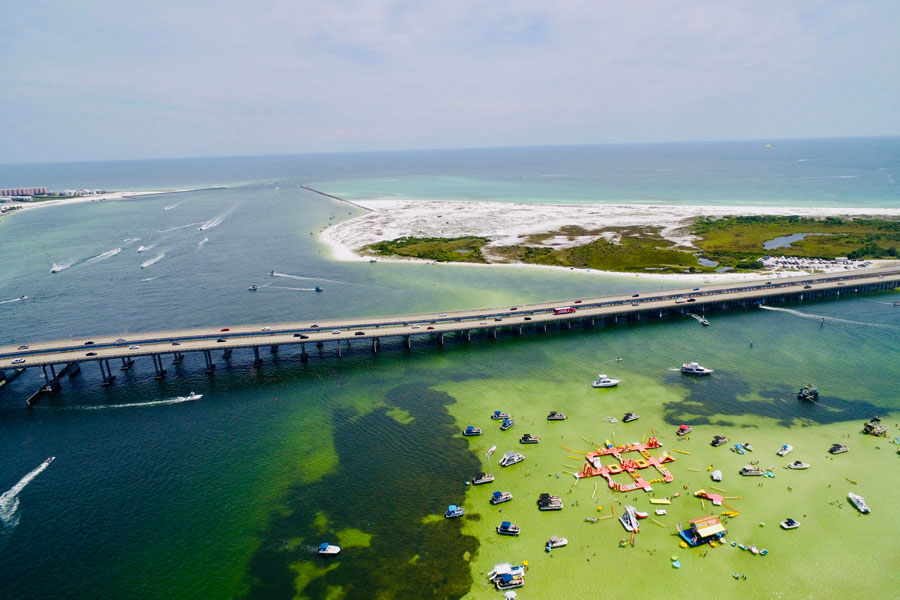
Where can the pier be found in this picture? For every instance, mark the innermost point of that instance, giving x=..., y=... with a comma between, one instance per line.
x=56, y=358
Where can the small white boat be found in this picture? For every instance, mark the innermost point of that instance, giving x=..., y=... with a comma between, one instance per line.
x=49, y=460
x=556, y=542
x=604, y=382
x=790, y=524
x=482, y=477
x=326, y=549
x=859, y=502
x=491, y=451
x=500, y=497
x=716, y=475
x=193, y=396
x=785, y=450
x=693, y=368
x=661, y=511
x=752, y=471
x=511, y=458
x=797, y=465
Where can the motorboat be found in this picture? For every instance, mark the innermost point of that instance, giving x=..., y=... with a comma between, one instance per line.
x=529, y=439
x=507, y=528
x=499, y=415
x=506, y=424
x=683, y=430
x=797, y=465
x=482, y=477
x=548, y=502
x=454, y=511
x=326, y=549
x=471, y=430
x=501, y=497
x=785, y=450
x=661, y=511
x=859, y=502
x=490, y=451
x=604, y=382
x=789, y=524
x=556, y=416
x=752, y=471
x=693, y=368
x=719, y=440
x=838, y=449
x=747, y=446
x=319, y=289
x=253, y=288
x=716, y=475
x=506, y=569
x=704, y=321
x=808, y=392
x=629, y=417
x=49, y=460
x=739, y=448
x=508, y=582
x=556, y=542
x=630, y=518
x=193, y=396
x=874, y=427
x=511, y=458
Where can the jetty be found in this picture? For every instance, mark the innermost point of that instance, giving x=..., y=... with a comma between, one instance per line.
x=339, y=336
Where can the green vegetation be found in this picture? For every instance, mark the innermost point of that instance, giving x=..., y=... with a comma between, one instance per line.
x=735, y=242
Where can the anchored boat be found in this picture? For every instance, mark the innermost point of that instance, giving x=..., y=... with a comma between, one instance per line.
x=603, y=381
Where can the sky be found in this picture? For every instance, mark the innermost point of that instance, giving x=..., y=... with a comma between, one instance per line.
x=106, y=79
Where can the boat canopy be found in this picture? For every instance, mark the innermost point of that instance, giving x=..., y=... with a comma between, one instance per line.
x=506, y=578
x=451, y=508
x=497, y=494
x=479, y=474
x=323, y=545
x=505, y=525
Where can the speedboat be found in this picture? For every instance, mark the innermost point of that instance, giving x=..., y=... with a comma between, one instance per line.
x=507, y=528
x=603, y=381
x=785, y=450
x=556, y=542
x=808, y=392
x=529, y=439
x=319, y=289
x=482, y=477
x=859, y=502
x=683, y=430
x=501, y=497
x=193, y=396
x=506, y=424
x=253, y=288
x=508, y=582
x=556, y=416
x=704, y=321
x=470, y=430
x=49, y=460
x=661, y=511
x=789, y=524
x=838, y=449
x=747, y=447
x=797, y=465
x=719, y=440
x=454, y=511
x=751, y=471
x=629, y=417
x=499, y=415
x=326, y=549
x=491, y=451
x=511, y=458
x=694, y=369
x=548, y=502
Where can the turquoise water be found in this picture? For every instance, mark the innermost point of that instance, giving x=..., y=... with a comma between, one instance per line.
x=225, y=496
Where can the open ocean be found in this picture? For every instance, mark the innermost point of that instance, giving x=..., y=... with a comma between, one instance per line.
x=227, y=496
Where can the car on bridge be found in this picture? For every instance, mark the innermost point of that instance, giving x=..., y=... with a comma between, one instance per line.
x=91, y=354
x=266, y=329
x=89, y=343
x=335, y=332
x=225, y=329
x=120, y=340
x=301, y=336
x=133, y=347
x=18, y=361
x=430, y=327
x=23, y=347
x=176, y=343
x=221, y=340
x=442, y=315
x=364, y=333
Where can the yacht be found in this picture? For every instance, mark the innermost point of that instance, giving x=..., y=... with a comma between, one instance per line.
x=548, y=502
x=808, y=392
x=694, y=369
x=253, y=288
x=629, y=417
x=603, y=381
x=501, y=497
x=751, y=471
x=499, y=415
x=556, y=542
x=529, y=439
x=511, y=458
x=507, y=528
x=506, y=424
x=798, y=465
x=326, y=549
x=785, y=450
x=719, y=440
x=789, y=524
x=838, y=449
x=859, y=502
x=454, y=511
x=556, y=416
x=482, y=477
x=470, y=430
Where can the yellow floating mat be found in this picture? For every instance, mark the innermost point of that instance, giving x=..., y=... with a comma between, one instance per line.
x=660, y=501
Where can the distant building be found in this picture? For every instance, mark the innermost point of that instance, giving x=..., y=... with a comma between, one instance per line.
x=32, y=191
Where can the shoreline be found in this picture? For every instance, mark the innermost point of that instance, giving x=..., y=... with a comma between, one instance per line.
x=510, y=223
x=23, y=206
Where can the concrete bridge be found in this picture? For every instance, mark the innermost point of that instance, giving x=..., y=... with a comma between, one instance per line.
x=56, y=358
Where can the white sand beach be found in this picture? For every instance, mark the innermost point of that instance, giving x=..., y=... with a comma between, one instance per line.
x=510, y=223
x=89, y=198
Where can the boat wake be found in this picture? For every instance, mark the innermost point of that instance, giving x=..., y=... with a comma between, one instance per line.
x=104, y=256
x=130, y=240
x=145, y=248
x=823, y=318
x=214, y=222
x=153, y=260
x=303, y=278
x=57, y=267
x=283, y=287
x=171, y=206
x=19, y=299
x=9, y=501
x=202, y=242
x=179, y=227
x=150, y=278
x=176, y=400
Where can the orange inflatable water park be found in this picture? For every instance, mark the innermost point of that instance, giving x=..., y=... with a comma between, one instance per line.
x=594, y=467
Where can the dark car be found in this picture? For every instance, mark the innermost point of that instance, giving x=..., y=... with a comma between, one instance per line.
x=314, y=326
x=635, y=295
x=91, y=354
x=176, y=343
x=513, y=308
x=691, y=299
x=220, y=340
x=429, y=327
x=578, y=302
x=527, y=318
x=498, y=319
x=301, y=336
x=23, y=347
x=364, y=333
x=89, y=343
x=225, y=329
x=807, y=287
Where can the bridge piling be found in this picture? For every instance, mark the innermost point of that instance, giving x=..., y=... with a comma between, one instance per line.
x=177, y=358
x=440, y=339
x=257, y=361
x=273, y=349
x=408, y=343
x=339, y=348
x=210, y=367
x=73, y=369
x=126, y=363
x=158, y=366
x=106, y=373
x=304, y=357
